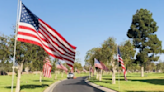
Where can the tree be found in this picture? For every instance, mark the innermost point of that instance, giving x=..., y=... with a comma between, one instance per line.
x=78, y=66
x=142, y=31
x=4, y=53
x=127, y=53
x=105, y=54
x=26, y=53
x=109, y=50
x=89, y=58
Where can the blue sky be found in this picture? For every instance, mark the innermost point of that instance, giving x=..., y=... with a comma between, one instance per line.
x=85, y=23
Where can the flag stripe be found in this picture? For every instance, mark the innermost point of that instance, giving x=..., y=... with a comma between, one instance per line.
x=47, y=68
x=42, y=34
x=32, y=35
x=122, y=63
x=56, y=34
x=56, y=40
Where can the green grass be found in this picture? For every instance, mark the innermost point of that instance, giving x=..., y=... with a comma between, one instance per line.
x=152, y=82
x=30, y=82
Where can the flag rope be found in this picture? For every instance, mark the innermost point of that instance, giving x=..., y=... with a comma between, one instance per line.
x=15, y=45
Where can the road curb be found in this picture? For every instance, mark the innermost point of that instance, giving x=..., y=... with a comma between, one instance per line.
x=99, y=87
x=50, y=88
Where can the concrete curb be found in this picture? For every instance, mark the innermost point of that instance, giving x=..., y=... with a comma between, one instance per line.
x=50, y=88
x=100, y=87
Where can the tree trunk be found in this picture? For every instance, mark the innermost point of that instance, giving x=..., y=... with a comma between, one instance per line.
x=100, y=75
x=113, y=73
x=62, y=75
x=41, y=77
x=142, y=71
x=20, y=68
x=97, y=73
x=113, y=78
x=56, y=75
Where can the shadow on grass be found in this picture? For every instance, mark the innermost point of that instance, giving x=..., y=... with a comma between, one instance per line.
x=30, y=86
x=152, y=81
x=43, y=80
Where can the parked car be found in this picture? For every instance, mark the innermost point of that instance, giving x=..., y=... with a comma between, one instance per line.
x=70, y=76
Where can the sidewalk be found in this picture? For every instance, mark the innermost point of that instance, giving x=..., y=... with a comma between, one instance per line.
x=100, y=87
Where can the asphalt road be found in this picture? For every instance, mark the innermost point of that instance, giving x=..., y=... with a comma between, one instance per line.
x=75, y=85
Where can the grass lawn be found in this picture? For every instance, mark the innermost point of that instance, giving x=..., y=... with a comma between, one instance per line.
x=30, y=82
x=152, y=82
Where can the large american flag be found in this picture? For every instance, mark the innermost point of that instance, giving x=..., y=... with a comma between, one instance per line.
x=32, y=29
x=47, y=68
x=122, y=63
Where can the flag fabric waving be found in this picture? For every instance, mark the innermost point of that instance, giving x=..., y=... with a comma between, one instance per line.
x=104, y=67
x=97, y=64
x=91, y=70
x=47, y=68
x=84, y=70
x=32, y=29
x=122, y=63
x=60, y=66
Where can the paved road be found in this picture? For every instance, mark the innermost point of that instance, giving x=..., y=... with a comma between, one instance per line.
x=75, y=85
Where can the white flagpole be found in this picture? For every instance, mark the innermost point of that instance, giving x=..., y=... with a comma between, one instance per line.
x=15, y=45
x=118, y=68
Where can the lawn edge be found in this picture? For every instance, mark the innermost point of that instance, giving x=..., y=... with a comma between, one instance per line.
x=105, y=89
x=50, y=88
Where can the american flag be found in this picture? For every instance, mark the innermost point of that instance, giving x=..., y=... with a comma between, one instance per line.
x=47, y=68
x=60, y=66
x=32, y=29
x=85, y=70
x=91, y=69
x=97, y=64
x=104, y=67
x=122, y=63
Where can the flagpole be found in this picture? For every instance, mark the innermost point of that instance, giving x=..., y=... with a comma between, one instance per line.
x=15, y=45
x=118, y=67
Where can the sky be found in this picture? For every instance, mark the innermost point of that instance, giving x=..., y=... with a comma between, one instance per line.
x=85, y=23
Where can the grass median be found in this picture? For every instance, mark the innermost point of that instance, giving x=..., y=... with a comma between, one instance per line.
x=152, y=82
x=30, y=82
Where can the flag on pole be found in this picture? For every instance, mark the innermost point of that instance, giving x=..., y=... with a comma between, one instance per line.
x=104, y=67
x=84, y=70
x=91, y=69
x=61, y=66
x=47, y=68
x=97, y=64
x=32, y=29
x=122, y=63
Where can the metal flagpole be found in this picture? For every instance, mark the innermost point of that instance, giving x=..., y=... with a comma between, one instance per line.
x=118, y=68
x=15, y=44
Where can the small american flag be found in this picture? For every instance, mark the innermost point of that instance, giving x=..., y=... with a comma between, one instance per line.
x=32, y=29
x=61, y=66
x=91, y=70
x=122, y=63
x=47, y=68
x=104, y=67
x=97, y=64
